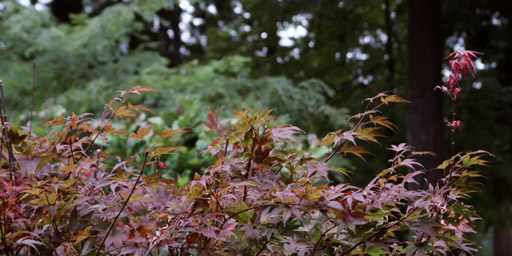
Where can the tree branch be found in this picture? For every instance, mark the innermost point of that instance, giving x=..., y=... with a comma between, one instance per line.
x=124, y=205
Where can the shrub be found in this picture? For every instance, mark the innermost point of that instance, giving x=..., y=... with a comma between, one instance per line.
x=263, y=196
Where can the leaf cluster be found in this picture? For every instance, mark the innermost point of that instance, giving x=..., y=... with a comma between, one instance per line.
x=264, y=195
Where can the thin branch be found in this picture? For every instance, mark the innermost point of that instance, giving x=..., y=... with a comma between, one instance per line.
x=226, y=148
x=264, y=246
x=117, y=248
x=100, y=131
x=382, y=231
x=452, y=137
x=4, y=229
x=3, y=118
x=124, y=205
x=369, y=238
x=242, y=211
x=337, y=150
x=249, y=164
x=218, y=203
x=71, y=146
x=320, y=238
x=54, y=224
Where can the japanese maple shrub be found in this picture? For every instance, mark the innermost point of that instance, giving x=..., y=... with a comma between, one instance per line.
x=263, y=195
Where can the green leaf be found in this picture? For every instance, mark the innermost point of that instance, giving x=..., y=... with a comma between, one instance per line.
x=163, y=151
x=374, y=250
x=445, y=164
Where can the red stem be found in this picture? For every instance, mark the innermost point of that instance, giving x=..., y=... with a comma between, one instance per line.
x=101, y=130
x=124, y=205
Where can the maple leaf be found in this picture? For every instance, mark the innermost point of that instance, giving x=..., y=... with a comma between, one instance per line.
x=320, y=168
x=294, y=247
x=379, y=95
x=335, y=205
x=368, y=134
x=213, y=120
x=57, y=121
x=383, y=121
x=462, y=60
x=250, y=231
x=142, y=132
x=356, y=150
x=284, y=133
x=29, y=242
x=348, y=136
x=139, y=107
x=124, y=111
x=400, y=147
x=138, y=88
x=163, y=151
x=109, y=129
x=393, y=98
x=84, y=234
x=169, y=133
x=329, y=138
x=409, y=163
x=468, y=161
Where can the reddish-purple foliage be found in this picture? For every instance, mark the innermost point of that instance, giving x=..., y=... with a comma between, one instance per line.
x=263, y=196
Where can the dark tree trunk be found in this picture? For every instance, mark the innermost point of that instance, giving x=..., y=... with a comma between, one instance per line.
x=425, y=131
x=502, y=233
x=61, y=9
x=170, y=46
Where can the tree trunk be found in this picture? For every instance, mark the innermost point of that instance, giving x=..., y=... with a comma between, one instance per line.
x=170, y=46
x=61, y=9
x=502, y=234
x=425, y=131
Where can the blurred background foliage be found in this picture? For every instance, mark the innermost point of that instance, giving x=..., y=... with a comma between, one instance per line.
x=313, y=61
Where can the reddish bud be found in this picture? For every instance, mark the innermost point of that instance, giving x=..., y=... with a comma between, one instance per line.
x=454, y=124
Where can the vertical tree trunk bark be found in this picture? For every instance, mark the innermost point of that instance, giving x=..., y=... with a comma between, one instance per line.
x=176, y=40
x=503, y=233
x=170, y=46
x=425, y=131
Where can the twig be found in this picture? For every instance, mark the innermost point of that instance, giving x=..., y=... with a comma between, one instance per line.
x=242, y=211
x=362, y=241
x=100, y=131
x=117, y=248
x=249, y=164
x=218, y=203
x=452, y=138
x=226, y=148
x=32, y=101
x=320, y=238
x=54, y=224
x=384, y=230
x=335, y=151
x=263, y=248
x=3, y=118
x=4, y=229
x=124, y=205
x=71, y=146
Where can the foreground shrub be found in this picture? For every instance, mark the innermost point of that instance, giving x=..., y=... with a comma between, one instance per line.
x=263, y=195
